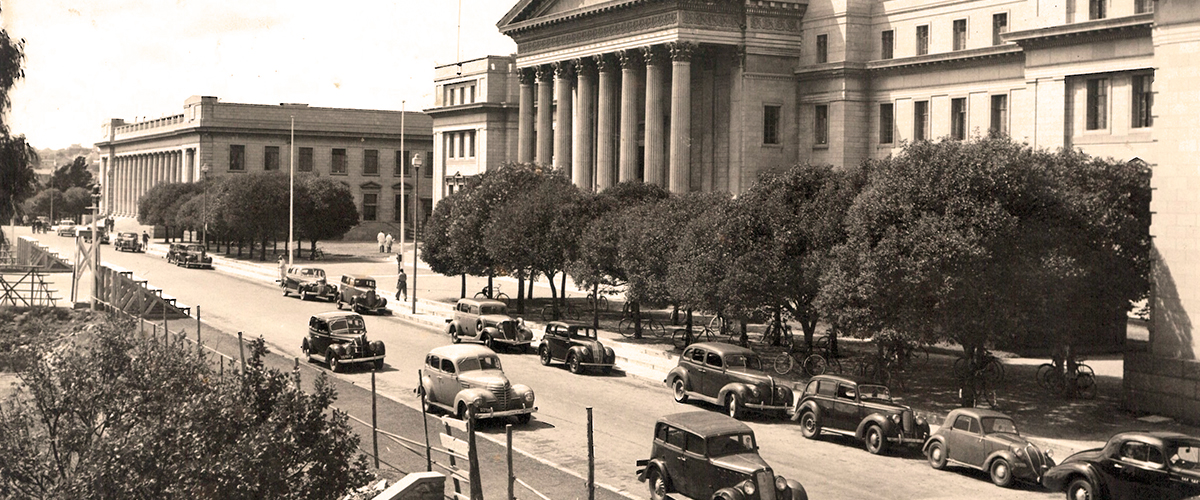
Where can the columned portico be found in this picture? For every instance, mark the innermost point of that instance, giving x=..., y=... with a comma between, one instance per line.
x=606, y=118
x=563, y=74
x=628, y=154
x=545, y=125
x=525, y=116
x=581, y=158
x=681, y=117
x=653, y=142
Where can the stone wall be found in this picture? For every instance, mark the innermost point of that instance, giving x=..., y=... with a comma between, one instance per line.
x=1162, y=386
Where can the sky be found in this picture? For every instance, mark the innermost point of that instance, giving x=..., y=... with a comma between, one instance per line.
x=90, y=61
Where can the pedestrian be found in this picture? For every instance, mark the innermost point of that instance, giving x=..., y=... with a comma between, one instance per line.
x=282, y=268
x=402, y=285
x=381, y=239
x=388, y=242
x=145, y=240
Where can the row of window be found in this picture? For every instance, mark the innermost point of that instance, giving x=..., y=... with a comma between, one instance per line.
x=370, y=207
x=304, y=160
x=461, y=93
x=460, y=144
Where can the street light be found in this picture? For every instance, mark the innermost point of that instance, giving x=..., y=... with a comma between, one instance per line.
x=204, y=232
x=416, y=163
x=95, y=247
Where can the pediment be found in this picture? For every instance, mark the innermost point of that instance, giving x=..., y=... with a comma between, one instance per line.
x=401, y=185
x=366, y=186
x=529, y=10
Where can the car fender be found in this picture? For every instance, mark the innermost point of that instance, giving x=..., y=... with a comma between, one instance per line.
x=492, y=332
x=732, y=493
x=875, y=418
x=579, y=351
x=427, y=387
x=451, y=326
x=1005, y=454
x=677, y=373
x=1057, y=478
x=939, y=438
x=469, y=395
x=377, y=348
x=736, y=388
x=521, y=390
x=654, y=463
x=795, y=491
x=610, y=356
x=338, y=349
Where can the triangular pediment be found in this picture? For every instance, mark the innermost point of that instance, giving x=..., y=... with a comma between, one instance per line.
x=529, y=10
x=367, y=186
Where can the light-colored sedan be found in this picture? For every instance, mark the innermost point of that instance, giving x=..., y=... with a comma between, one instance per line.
x=465, y=378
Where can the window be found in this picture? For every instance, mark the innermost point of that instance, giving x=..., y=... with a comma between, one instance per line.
x=401, y=164
x=999, y=27
x=339, y=161
x=237, y=157
x=886, y=123
x=1143, y=6
x=966, y=424
x=822, y=48
x=999, y=114
x=713, y=359
x=462, y=144
x=887, y=43
x=429, y=164
x=821, y=124
x=922, y=40
x=370, y=206
x=1097, y=9
x=770, y=124
x=1097, y=104
x=471, y=144
x=271, y=158
x=305, y=160
x=371, y=162
x=1143, y=101
x=921, y=120
x=397, y=203
x=958, y=118
x=960, y=34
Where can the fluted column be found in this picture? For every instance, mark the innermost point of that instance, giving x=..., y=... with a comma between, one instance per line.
x=582, y=145
x=525, y=116
x=189, y=166
x=155, y=170
x=545, y=120
x=176, y=167
x=628, y=154
x=605, y=122
x=679, y=178
x=655, y=69
x=564, y=73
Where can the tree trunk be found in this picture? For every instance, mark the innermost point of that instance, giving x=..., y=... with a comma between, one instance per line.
x=312, y=251
x=596, y=306
x=808, y=322
x=744, y=340
x=777, y=319
x=491, y=292
x=687, y=337
x=521, y=291
x=553, y=295
x=564, y=289
x=636, y=308
x=532, y=278
x=674, y=314
x=462, y=293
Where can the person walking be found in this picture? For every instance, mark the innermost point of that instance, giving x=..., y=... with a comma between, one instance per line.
x=282, y=269
x=381, y=239
x=388, y=242
x=402, y=285
x=145, y=240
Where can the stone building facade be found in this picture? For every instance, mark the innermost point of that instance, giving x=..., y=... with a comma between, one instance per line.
x=357, y=146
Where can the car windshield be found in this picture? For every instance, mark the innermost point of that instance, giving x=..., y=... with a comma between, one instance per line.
x=583, y=333
x=479, y=363
x=1185, y=455
x=315, y=273
x=743, y=362
x=730, y=444
x=493, y=309
x=128, y=236
x=871, y=391
x=195, y=248
x=365, y=283
x=992, y=425
x=348, y=323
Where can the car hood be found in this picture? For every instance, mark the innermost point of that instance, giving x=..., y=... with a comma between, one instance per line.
x=1091, y=455
x=309, y=281
x=746, y=463
x=884, y=406
x=483, y=377
x=1010, y=439
x=496, y=318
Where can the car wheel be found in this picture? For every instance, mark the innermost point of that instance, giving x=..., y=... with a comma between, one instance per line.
x=334, y=364
x=307, y=352
x=454, y=336
x=733, y=407
x=1081, y=489
x=463, y=414
x=874, y=440
x=1001, y=473
x=285, y=291
x=808, y=425
x=487, y=341
x=339, y=303
x=378, y=365
x=524, y=418
x=303, y=295
x=574, y=365
x=544, y=355
x=679, y=391
x=658, y=485
x=936, y=455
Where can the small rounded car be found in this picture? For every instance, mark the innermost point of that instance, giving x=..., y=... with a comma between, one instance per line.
x=860, y=408
x=307, y=282
x=85, y=232
x=194, y=255
x=727, y=375
x=65, y=227
x=128, y=242
x=987, y=440
x=467, y=379
x=576, y=345
x=1159, y=465
x=340, y=339
x=487, y=321
x=705, y=455
x=358, y=292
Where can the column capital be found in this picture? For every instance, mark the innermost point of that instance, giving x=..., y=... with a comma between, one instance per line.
x=605, y=62
x=545, y=74
x=654, y=56
x=584, y=67
x=526, y=76
x=563, y=70
x=681, y=51
x=630, y=58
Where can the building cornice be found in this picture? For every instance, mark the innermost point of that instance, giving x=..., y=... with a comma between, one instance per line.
x=854, y=69
x=1122, y=27
x=469, y=108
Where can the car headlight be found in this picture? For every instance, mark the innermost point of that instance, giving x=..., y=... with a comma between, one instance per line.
x=477, y=402
x=895, y=418
x=754, y=391
x=1019, y=452
x=749, y=487
x=587, y=352
x=1048, y=452
x=529, y=397
x=780, y=483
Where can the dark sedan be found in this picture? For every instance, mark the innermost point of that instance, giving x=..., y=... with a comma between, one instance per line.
x=1158, y=465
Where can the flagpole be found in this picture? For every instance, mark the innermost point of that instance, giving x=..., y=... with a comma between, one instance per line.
x=403, y=185
x=292, y=192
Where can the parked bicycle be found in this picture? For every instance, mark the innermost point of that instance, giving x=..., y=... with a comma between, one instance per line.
x=1070, y=379
x=493, y=293
x=650, y=326
x=566, y=311
x=987, y=365
x=814, y=362
x=597, y=303
x=777, y=335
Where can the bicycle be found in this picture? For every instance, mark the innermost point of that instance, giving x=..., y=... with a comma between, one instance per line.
x=494, y=294
x=600, y=303
x=881, y=369
x=777, y=336
x=565, y=311
x=813, y=362
x=316, y=254
x=628, y=326
x=704, y=334
x=1074, y=379
x=987, y=365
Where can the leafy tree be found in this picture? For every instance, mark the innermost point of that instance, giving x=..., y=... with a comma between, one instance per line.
x=76, y=202
x=702, y=260
x=324, y=209
x=17, y=158
x=161, y=204
x=48, y=202
x=12, y=60
x=596, y=263
x=254, y=206
x=74, y=175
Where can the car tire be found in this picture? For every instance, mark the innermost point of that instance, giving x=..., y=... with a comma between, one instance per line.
x=733, y=407
x=303, y=295
x=874, y=440
x=454, y=336
x=487, y=341
x=936, y=454
x=335, y=365
x=1001, y=473
x=307, y=352
x=658, y=485
x=462, y=412
x=379, y=365
x=808, y=425
x=679, y=390
x=544, y=355
x=574, y=364
x=339, y=303
x=285, y=291
x=1081, y=488
x=524, y=418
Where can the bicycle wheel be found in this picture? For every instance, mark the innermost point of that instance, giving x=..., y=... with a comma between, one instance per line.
x=502, y=297
x=960, y=368
x=1083, y=369
x=601, y=303
x=918, y=357
x=480, y=295
x=832, y=365
x=1044, y=371
x=547, y=313
x=815, y=364
x=657, y=329
x=993, y=371
x=679, y=338
x=784, y=363
x=625, y=327
x=1085, y=385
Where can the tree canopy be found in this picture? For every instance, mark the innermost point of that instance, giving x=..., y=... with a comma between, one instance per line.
x=75, y=174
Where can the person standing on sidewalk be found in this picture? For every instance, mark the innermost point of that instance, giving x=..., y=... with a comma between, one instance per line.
x=380, y=238
x=282, y=269
x=145, y=240
x=402, y=285
x=388, y=242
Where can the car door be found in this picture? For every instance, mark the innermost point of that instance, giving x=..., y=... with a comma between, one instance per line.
x=715, y=377
x=674, y=460
x=447, y=382
x=695, y=465
x=319, y=336
x=964, y=441
x=433, y=370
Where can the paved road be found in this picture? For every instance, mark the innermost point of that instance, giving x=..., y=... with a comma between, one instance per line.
x=625, y=408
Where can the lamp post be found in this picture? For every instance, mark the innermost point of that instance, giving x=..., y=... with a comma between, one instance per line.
x=95, y=248
x=416, y=163
x=204, y=232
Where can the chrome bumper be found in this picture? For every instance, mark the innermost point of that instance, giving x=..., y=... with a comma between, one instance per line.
x=487, y=413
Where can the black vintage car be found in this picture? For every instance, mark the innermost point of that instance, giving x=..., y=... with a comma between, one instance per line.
x=339, y=339
x=576, y=345
x=706, y=455
x=193, y=255
x=358, y=292
x=987, y=440
x=857, y=407
x=306, y=282
x=487, y=321
x=128, y=242
x=1158, y=465
x=727, y=375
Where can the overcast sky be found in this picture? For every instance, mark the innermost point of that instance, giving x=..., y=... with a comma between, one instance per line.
x=89, y=61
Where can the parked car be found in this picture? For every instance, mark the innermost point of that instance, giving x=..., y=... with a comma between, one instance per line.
x=727, y=375
x=465, y=377
x=358, y=291
x=308, y=282
x=706, y=455
x=576, y=345
x=85, y=232
x=1159, y=465
x=174, y=253
x=487, y=321
x=340, y=339
x=65, y=227
x=857, y=407
x=189, y=255
x=128, y=242
x=987, y=440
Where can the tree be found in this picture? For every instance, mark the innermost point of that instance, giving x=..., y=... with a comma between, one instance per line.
x=76, y=202
x=48, y=202
x=74, y=175
x=160, y=206
x=254, y=206
x=17, y=158
x=324, y=209
x=12, y=60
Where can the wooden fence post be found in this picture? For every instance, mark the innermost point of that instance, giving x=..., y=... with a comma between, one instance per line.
x=425, y=420
x=511, y=476
x=374, y=421
x=199, y=346
x=473, y=457
x=591, y=479
x=242, y=352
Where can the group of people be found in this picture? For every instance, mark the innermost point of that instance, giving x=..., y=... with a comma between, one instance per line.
x=385, y=242
x=41, y=226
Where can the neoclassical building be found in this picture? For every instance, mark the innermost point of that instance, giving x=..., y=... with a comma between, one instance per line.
x=360, y=147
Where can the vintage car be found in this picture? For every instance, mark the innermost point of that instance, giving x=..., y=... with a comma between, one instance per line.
x=487, y=321
x=308, y=282
x=128, y=242
x=576, y=345
x=64, y=227
x=1159, y=465
x=189, y=255
x=987, y=440
x=857, y=407
x=467, y=378
x=727, y=375
x=340, y=339
x=85, y=232
x=705, y=455
x=174, y=252
x=358, y=291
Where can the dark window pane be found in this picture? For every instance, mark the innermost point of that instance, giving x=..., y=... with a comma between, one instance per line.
x=237, y=157
x=886, y=123
x=271, y=158
x=339, y=161
x=371, y=162
x=305, y=161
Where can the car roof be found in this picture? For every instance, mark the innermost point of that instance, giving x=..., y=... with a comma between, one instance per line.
x=847, y=378
x=460, y=351
x=569, y=325
x=332, y=315
x=358, y=276
x=1157, y=438
x=978, y=413
x=705, y=423
x=722, y=348
x=481, y=302
x=299, y=267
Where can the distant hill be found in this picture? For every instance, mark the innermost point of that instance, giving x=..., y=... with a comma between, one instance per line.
x=54, y=158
